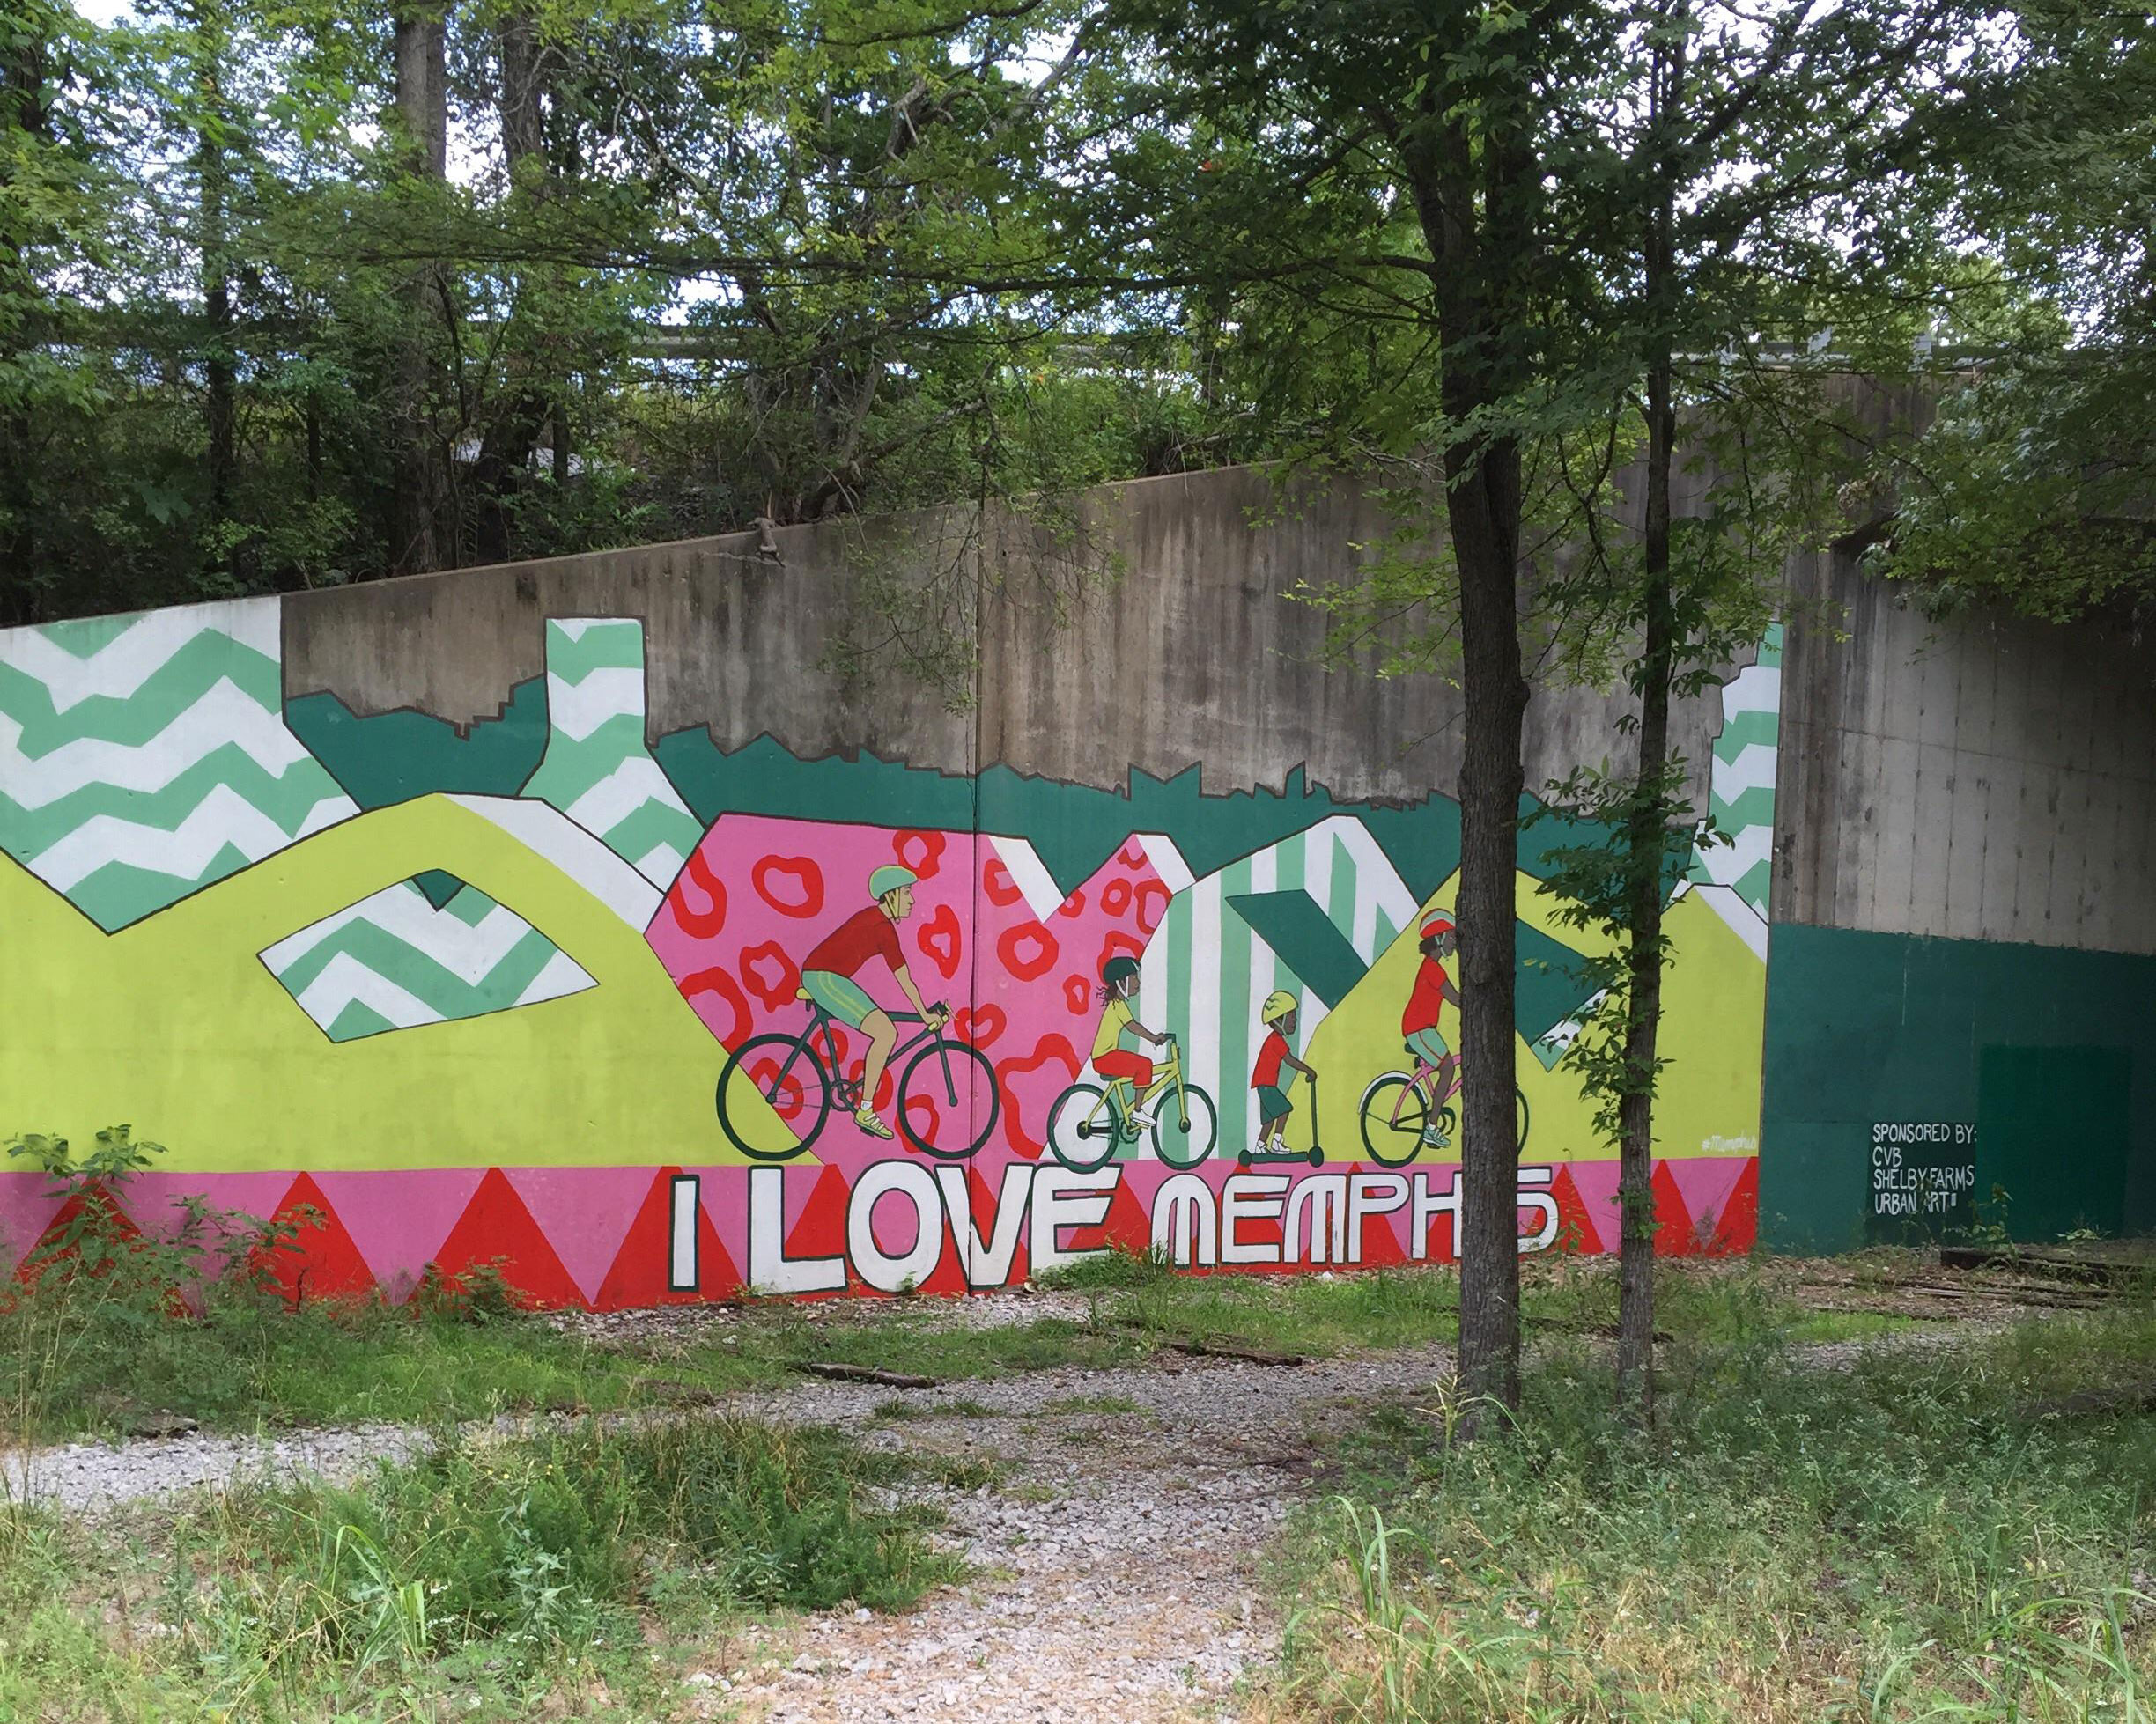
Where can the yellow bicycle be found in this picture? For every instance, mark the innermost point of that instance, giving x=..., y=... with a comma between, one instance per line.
x=1091, y=1121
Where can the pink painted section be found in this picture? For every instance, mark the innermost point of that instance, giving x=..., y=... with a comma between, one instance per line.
x=399, y=1219
x=585, y=1212
x=1705, y=1183
x=26, y=1210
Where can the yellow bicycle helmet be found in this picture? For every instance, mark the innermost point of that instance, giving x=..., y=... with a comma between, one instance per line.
x=1277, y=1006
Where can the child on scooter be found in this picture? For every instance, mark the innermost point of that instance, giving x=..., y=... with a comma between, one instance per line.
x=1277, y=1050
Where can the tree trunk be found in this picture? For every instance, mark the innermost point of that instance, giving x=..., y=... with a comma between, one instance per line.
x=423, y=116
x=213, y=246
x=1484, y=513
x=1648, y=823
x=24, y=55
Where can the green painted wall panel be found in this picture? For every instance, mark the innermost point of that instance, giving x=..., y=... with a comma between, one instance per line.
x=1866, y=1028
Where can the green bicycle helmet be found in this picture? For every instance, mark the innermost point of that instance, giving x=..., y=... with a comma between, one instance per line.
x=1118, y=970
x=889, y=878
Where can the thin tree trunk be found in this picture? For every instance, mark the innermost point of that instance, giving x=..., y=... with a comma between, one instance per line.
x=1647, y=822
x=24, y=67
x=213, y=244
x=423, y=114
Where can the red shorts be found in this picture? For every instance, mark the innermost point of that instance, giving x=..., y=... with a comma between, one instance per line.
x=1120, y=1063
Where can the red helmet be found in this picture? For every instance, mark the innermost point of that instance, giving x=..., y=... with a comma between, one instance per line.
x=1437, y=922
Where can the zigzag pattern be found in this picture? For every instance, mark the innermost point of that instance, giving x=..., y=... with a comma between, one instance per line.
x=142, y=757
x=393, y=961
x=1741, y=789
x=597, y=769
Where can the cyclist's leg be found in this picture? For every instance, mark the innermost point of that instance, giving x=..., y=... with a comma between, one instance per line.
x=844, y=999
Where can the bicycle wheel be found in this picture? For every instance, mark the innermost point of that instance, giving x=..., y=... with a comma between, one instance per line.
x=1172, y=1143
x=1080, y=1139
x=791, y=1083
x=1392, y=1139
x=942, y=1085
x=1176, y=1144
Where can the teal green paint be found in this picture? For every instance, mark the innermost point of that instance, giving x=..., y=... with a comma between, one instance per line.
x=145, y=712
x=1863, y=1028
x=83, y=637
x=1303, y=936
x=120, y=893
x=763, y=778
x=357, y=1019
x=391, y=757
x=438, y=887
x=2052, y=1133
x=1547, y=989
x=287, y=799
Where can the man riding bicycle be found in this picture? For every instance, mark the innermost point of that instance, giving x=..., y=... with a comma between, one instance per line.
x=1432, y=987
x=828, y=972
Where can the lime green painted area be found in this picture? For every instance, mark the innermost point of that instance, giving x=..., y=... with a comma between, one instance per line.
x=1865, y=1028
x=389, y=757
x=176, y=1026
x=1713, y=998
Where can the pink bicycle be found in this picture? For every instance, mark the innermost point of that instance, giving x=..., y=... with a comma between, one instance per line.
x=1399, y=1108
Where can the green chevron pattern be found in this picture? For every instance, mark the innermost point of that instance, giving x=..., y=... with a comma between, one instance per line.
x=597, y=769
x=142, y=757
x=394, y=962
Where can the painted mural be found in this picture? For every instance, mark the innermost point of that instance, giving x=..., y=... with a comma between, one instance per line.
x=641, y=1020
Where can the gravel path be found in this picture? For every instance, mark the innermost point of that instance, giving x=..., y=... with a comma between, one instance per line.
x=1113, y=1556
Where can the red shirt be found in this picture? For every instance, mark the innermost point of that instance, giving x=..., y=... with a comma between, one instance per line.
x=1271, y=1052
x=867, y=935
x=1427, y=999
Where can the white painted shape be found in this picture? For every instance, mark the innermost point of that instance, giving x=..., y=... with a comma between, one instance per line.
x=1029, y=874
x=1185, y=1221
x=575, y=628
x=224, y=715
x=558, y=977
x=1755, y=688
x=683, y=1269
x=660, y=864
x=1378, y=886
x=183, y=852
x=917, y=1186
x=129, y=659
x=987, y=1261
x=770, y=1269
x=1202, y=1043
x=1744, y=850
x=470, y=951
x=1745, y=922
x=1065, y=1199
x=1753, y=769
x=1167, y=860
x=575, y=709
x=550, y=834
x=621, y=792
x=1250, y=1198
x=345, y=979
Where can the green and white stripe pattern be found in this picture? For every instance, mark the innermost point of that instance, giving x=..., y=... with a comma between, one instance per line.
x=596, y=769
x=1741, y=794
x=144, y=757
x=1207, y=974
x=393, y=961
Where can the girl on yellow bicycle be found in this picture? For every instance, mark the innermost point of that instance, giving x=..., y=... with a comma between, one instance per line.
x=1116, y=1044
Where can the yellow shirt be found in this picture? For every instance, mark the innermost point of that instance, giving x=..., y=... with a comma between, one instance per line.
x=1114, y=1021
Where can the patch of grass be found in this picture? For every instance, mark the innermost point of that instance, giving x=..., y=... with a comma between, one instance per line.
x=472, y=1582
x=1117, y=1267
x=897, y=1339
x=1092, y=1403
x=1921, y=1536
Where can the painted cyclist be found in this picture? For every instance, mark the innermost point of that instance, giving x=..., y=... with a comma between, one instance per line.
x=828, y=978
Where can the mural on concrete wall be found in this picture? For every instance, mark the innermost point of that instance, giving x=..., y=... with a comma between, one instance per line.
x=641, y=1020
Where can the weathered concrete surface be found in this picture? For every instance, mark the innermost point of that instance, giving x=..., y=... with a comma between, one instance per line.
x=1978, y=778
x=1161, y=638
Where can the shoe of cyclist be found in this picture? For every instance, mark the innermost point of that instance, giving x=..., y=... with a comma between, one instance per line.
x=1433, y=1138
x=866, y=1118
x=1142, y=1118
